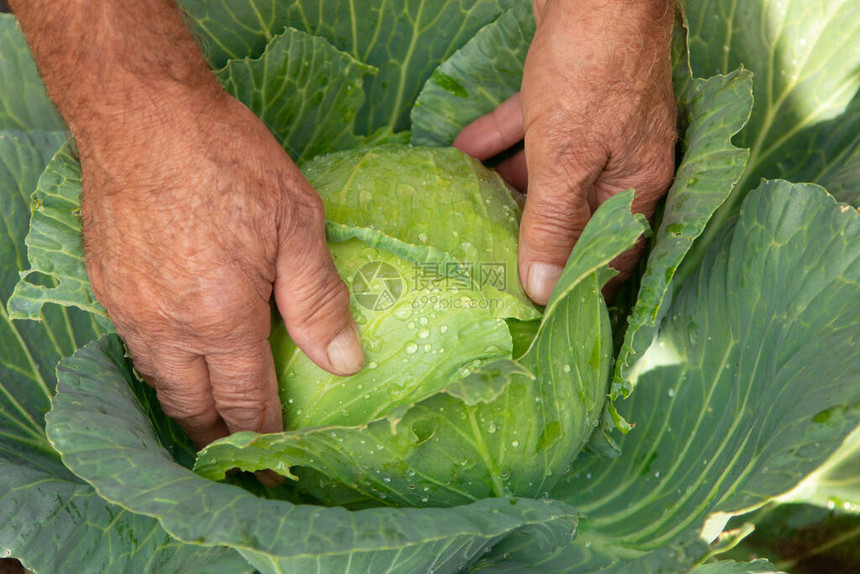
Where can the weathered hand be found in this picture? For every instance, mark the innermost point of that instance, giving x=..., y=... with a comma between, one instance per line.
x=192, y=212
x=597, y=114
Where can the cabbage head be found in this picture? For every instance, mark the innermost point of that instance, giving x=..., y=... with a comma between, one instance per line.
x=469, y=390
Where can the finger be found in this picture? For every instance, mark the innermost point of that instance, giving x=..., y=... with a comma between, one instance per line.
x=624, y=264
x=245, y=388
x=556, y=210
x=310, y=295
x=649, y=172
x=493, y=133
x=181, y=381
x=513, y=170
x=269, y=478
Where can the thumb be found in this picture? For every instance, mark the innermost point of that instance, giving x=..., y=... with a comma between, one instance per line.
x=311, y=297
x=556, y=211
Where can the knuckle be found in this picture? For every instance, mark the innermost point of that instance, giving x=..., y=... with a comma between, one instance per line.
x=303, y=212
x=653, y=180
x=222, y=329
x=222, y=310
x=320, y=302
x=192, y=413
x=245, y=410
x=552, y=221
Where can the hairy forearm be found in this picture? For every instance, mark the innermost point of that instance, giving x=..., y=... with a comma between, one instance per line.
x=645, y=10
x=104, y=61
x=624, y=38
x=654, y=17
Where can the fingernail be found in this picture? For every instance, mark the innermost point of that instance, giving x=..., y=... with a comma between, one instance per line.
x=345, y=353
x=541, y=281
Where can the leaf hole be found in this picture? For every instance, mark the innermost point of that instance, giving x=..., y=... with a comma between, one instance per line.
x=41, y=279
x=423, y=430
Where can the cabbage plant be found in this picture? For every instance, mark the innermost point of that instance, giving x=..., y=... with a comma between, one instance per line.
x=704, y=420
x=466, y=394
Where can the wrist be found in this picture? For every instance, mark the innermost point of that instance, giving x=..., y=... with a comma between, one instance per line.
x=654, y=15
x=138, y=106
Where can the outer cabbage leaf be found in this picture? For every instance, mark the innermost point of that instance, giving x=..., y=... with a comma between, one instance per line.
x=805, y=57
x=103, y=435
x=747, y=389
x=711, y=111
x=23, y=102
x=51, y=520
x=446, y=450
x=391, y=197
x=57, y=271
x=30, y=351
x=482, y=74
x=836, y=483
x=405, y=40
x=305, y=90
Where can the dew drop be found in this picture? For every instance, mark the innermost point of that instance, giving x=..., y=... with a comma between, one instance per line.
x=372, y=365
x=491, y=428
x=423, y=333
x=566, y=368
x=403, y=311
x=411, y=348
x=515, y=443
x=443, y=329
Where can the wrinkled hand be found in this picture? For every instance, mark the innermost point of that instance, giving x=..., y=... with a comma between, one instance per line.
x=597, y=114
x=192, y=215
